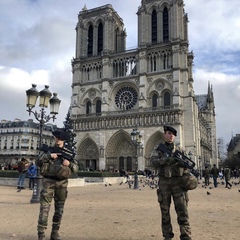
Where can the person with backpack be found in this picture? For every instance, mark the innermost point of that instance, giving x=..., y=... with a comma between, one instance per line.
x=56, y=170
x=174, y=183
x=22, y=169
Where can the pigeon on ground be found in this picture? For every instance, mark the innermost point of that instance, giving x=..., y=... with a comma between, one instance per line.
x=208, y=193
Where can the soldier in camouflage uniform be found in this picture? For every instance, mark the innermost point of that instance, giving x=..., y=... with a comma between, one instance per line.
x=56, y=172
x=170, y=172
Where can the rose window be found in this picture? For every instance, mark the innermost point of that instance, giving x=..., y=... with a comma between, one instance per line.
x=126, y=98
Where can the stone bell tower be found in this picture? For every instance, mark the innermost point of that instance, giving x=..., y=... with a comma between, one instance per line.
x=99, y=30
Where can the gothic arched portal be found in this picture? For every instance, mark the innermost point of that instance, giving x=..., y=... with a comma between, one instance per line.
x=120, y=152
x=151, y=144
x=88, y=154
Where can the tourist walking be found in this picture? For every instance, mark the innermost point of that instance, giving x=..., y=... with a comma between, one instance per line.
x=215, y=174
x=206, y=175
x=227, y=176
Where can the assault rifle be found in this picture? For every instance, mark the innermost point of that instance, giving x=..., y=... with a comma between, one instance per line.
x=180, y=156
x=63, y=152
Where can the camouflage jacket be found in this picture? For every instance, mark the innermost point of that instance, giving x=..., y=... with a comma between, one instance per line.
x=54, y=168
x=167, y=166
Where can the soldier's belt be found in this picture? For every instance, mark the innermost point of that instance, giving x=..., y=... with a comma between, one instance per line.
x=52, y=178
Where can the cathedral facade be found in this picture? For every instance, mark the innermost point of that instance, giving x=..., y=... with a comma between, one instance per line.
x=116, y=91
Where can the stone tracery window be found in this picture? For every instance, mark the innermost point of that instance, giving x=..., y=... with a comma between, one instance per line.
x=124, y=67
x=126, y=98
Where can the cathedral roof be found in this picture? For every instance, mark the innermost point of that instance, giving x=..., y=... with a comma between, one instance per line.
x=17, y=123
x=234, y=141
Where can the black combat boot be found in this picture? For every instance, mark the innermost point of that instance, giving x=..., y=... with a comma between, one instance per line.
x=41, y=236
x=55, y=235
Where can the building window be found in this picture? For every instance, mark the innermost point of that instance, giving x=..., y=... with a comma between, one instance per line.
x=154, y=101
x=154, y=26
x=116, y=39
x=100, y=38
x=90, y=40
x=88, y=107
x=165, y=25
x=153, y=63
x=167, y=100
x=126, y=98
x=98, y=107
x=164, y=61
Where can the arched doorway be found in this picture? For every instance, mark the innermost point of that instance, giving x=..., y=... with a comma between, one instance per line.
x=120, y=151
x=88, y=154
x=126, y=163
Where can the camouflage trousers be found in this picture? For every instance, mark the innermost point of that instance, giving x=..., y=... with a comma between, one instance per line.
x=52, y=189
x=169, y=188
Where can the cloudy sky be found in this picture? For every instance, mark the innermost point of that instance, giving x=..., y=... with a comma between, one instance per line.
x=37, y=44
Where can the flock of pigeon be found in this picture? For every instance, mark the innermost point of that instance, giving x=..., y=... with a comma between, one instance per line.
x=222, y=183
x=153, y=184
x=149, y=182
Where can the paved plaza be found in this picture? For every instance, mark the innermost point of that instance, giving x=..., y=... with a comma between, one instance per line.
x=116, y=212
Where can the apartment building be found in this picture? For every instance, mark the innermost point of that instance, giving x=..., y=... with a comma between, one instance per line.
x=19, y=138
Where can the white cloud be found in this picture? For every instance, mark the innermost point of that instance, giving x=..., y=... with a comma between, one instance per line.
x=37, y=46
x=213, y=25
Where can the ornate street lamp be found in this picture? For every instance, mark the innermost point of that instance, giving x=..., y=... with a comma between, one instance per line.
x=136, y=139
x=200, y=166
x=42, y=118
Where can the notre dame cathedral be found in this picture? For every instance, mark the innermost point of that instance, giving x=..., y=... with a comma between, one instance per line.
x=115, y=90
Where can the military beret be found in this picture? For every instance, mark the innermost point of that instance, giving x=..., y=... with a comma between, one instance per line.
x=61, y=135
x=170, y=129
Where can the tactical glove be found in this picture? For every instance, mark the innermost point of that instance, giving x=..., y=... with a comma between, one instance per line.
x=155, y=162
x=170, y=161
x=179, y=162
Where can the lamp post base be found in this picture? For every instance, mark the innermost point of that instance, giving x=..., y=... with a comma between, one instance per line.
x=135, y=181
x=36, y=190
